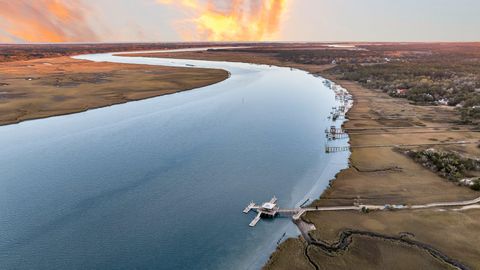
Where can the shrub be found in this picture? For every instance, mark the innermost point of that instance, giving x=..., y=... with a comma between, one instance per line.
x=446, y=164
x=476, y=185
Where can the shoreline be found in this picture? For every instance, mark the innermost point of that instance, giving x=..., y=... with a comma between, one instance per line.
x=371, y=179
x=106, y=106
x=285, y=65
x=82, y=91
x=367, y=168
x=343, y=182
x=314, y=89
x=276, y=64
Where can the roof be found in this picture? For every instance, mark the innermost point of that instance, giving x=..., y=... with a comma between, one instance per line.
x=268, y=206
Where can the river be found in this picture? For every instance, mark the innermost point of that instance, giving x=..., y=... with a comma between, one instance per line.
x=161, y=183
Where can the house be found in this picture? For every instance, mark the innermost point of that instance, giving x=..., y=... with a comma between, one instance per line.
x=442, y=101
x=469, y=181
x=401, y=92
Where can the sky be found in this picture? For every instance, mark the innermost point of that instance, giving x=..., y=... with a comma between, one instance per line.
x=238, y=20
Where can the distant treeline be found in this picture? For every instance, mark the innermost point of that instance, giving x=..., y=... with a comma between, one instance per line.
x=16, y=52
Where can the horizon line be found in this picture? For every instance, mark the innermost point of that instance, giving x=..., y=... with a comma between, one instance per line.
x=234, y=42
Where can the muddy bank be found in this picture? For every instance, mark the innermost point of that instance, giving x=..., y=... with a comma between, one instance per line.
x=58, y=86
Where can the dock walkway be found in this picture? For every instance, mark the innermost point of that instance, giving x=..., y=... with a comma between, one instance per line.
x=271, y=210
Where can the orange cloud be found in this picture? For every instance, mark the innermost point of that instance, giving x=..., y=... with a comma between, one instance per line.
x=232, y=20
x=44, y=21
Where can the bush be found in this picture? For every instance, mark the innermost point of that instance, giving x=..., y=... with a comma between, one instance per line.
x=476, y=185
x=446, y=164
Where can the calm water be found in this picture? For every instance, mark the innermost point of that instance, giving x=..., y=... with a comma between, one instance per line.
x=161, y=183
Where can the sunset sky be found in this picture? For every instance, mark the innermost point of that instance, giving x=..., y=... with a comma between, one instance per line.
x=238, y=20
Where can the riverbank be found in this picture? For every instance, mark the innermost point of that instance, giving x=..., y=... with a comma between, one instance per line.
x=184, y=153
x=48, y=87
x=382, y=175
x=378, y=175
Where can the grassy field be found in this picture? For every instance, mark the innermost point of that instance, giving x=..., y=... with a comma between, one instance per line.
x=54, y=86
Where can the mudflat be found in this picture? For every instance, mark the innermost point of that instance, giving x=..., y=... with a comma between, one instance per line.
x=46, y=87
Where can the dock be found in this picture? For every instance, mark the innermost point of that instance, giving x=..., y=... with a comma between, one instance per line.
x=271, y=210
x=339, y=112
x=299, y=214
x=335, y=133
x=335, y=149
x=267, y=210
x=255, y=220
x=248, y=208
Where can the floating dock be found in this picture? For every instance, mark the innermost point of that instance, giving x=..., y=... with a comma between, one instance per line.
x=248, y=208
x=255, y=220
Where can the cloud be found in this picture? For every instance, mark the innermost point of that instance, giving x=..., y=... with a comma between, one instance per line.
x=230, y=20
x=45, y=21
x=71, y=20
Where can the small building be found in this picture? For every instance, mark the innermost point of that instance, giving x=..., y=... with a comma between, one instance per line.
x=442, y=101
x=469, y=181
x=268, y=206
x=401, y=91
x=269, y=209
